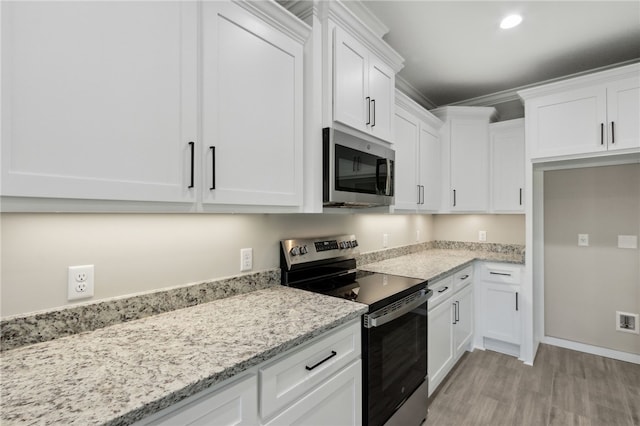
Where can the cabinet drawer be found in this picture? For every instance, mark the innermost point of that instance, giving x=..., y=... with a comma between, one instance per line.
x=442, y=289
x=289, y=378
x=463, y=278
x=501, y=273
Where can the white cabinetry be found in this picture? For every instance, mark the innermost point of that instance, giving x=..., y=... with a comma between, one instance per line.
x=318, y=383
x=465, y=149
x=364, y=87
x=417, y=165
x=106, y=101
x=499, y=311
x=450, y=324
x=251, y=109
x=235, y=403
x=591, y=115
x=99, y=99
x=506, y=147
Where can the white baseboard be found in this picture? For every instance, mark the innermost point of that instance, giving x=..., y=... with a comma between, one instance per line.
x=590, y=349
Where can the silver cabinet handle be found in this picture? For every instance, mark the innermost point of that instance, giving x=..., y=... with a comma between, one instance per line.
x=368, y=110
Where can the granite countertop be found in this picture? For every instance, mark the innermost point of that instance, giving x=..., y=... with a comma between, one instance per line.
x=432, y=264
x=122, y=373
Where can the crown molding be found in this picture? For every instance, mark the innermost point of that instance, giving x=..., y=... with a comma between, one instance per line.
x=405, y=87
x=365, y=15
x=412, y=107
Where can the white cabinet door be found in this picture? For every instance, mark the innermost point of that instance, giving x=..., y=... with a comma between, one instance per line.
x=430, y=168
x=381, y=91
x=571, y=122
x=251, y=110
x=336, y=402
x=440, y=343
x=623, y=114
x=99, y=99
x=407, y=164
x=464, y=314
x=507, y=166
x=469, y=165
x=350, y=103
x=501, y=312
x=235, y=404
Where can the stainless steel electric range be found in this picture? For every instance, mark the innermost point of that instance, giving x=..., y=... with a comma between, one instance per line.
x=394, y=331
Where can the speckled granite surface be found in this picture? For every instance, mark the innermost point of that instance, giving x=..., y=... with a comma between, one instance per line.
x=43, y=326
x=435, y=263
x=124, y=372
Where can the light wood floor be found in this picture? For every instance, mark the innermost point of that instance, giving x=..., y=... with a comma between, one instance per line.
x=563, y=387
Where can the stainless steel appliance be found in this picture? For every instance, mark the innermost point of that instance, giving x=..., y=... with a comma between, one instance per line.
x=357, y=172
x=394, y=331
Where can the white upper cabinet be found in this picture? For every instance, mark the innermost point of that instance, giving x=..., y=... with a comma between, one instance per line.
x=183, y=101
x=465, y=145
x=364, y=88
x=417, y=147
x=251, y=109
x=506, y=148
x=99, y=100
x=590, y=115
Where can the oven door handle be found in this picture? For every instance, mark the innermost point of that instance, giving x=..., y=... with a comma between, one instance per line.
x=385, y=315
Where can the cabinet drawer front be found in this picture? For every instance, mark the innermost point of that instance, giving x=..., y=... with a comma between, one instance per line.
x=234, y=404
x=499, y=273
x=442, y=289
x=289, y=378
x=463, y=278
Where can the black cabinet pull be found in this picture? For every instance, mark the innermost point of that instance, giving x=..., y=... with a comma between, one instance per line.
x=373, y=102
x=464, y=277
x=333, y=353
x=193, y=153
x=443, y=289
x=500, y=273
x=613, y=134
x=516, y=300
x=213, y=168
x=520, y=196
x=454, y=198
x=601, y=133
x=368, y=110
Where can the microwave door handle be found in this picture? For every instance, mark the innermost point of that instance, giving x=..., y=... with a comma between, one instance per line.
x=389, y=181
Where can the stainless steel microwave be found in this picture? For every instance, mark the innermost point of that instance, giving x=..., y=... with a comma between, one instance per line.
x=356, y=172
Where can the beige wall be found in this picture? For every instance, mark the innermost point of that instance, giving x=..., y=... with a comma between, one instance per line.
x=585, y=286
x=141, y=252
x=506, y=228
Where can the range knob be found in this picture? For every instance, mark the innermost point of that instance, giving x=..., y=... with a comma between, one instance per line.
x=294, y=251
x=303, y=250
x=354, y=243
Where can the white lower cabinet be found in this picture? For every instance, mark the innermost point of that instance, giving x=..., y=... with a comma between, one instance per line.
x=336, y=402
x=318, y=383
x=450, y=324
x=233, y=404
x=499, y=310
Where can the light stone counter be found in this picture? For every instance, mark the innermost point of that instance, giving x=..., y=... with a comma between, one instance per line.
x=121, y=373
x=432, y=264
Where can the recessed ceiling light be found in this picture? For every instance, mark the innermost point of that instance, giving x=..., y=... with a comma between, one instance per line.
x=510, y=21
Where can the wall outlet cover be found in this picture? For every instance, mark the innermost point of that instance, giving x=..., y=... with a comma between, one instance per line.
x=482, y=235
x=627, y=322
x=583, y=240
x=80, y=282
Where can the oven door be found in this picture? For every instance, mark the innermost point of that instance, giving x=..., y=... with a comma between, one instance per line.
x=395, y=346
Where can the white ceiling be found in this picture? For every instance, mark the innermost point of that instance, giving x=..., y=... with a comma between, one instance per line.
x=455, y=50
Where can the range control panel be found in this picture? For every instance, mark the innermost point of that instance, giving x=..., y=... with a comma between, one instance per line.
x=303, y=250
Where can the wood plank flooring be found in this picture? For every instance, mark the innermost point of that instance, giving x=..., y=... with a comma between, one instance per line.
x=563, y=387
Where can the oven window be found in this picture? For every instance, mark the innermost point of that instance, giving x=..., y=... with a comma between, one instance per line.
x=396, y=363
x=357, y=171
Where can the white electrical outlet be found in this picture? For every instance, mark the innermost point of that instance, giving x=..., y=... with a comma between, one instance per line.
x=246, y=259
x=80, y=282
x=583, y=240
x=385, y=240
x=482, y=235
